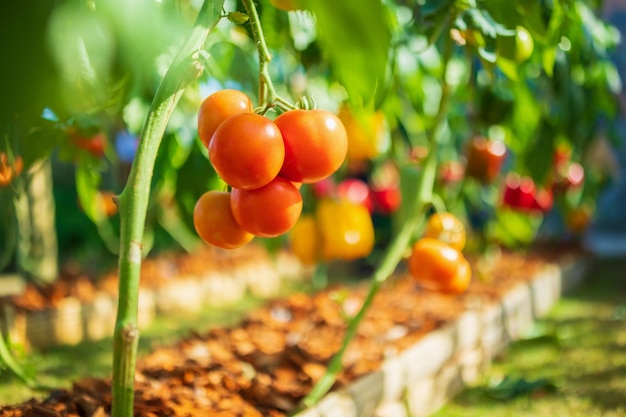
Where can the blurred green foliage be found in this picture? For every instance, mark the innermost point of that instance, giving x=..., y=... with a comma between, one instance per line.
x=77, y=68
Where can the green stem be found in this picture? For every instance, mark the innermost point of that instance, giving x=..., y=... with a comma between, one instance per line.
x=268, y=97
x=395, y=251
x=133, y=205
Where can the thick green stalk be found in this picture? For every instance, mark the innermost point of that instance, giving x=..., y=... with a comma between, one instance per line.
x=133, y=205
x=393, y=254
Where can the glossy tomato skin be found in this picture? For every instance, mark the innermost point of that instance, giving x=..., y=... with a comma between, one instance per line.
x=485, y=159
x=447, y=228
x=316, y=144
x=268, y=211
x=440, y=267
x=247, y=151
x=215, y=224
x=304, y=241
x=345, y=229
x=218, y=107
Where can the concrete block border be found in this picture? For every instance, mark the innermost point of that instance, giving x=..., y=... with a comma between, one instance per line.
x=72, y=321
x=457, y=354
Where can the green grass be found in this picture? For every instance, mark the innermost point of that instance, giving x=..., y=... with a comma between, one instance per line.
x=577, y=354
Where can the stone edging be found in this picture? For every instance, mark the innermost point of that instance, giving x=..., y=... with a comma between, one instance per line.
x=72, y=321
x=422, y=378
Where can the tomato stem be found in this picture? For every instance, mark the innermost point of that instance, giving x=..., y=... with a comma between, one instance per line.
x=395, y=251
x=133, y=205
x=268, y=97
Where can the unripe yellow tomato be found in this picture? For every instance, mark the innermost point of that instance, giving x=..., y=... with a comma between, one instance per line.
x=447, y=228
x=368, y=134
x=345, y=229
x=304, y=241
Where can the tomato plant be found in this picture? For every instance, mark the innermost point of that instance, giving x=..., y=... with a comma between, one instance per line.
x=316, y=144
x=447, y=228
x=247, y=151
x=218, y=107
x=215, y=223
x=438, y=266
x=268, y=211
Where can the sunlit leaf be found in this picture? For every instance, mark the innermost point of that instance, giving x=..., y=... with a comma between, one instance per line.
x=356, y=41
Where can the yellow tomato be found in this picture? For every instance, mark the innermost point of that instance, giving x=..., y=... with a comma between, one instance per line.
x=368, y=134
x=304, y=241
x=447, y=228
x=345, y=230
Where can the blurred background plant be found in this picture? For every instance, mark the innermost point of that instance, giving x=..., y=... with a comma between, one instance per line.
x=531, y=87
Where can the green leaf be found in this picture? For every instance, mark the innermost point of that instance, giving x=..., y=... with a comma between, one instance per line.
x=348, y=28
x=513, y=228
x=87, y=183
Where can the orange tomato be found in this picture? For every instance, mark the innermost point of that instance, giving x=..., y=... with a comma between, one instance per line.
x=247, y=151
x=440, y=267
x=315, y=144
x=218, y=107
x=268, y=211
x=215, y=224
x=447, y=228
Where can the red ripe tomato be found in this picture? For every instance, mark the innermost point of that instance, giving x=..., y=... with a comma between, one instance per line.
x=247, y=151
x=218, y=107
x=215, y=224
x=439, y=267
x=268, y=211
x=316, y=144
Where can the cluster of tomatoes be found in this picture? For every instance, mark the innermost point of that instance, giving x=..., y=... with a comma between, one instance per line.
x=264, y=162
x=436, y=260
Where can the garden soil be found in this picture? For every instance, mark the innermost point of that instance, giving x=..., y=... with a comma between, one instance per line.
x=268, y=363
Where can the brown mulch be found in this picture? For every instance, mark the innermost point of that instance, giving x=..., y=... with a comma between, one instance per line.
x=264, y=366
